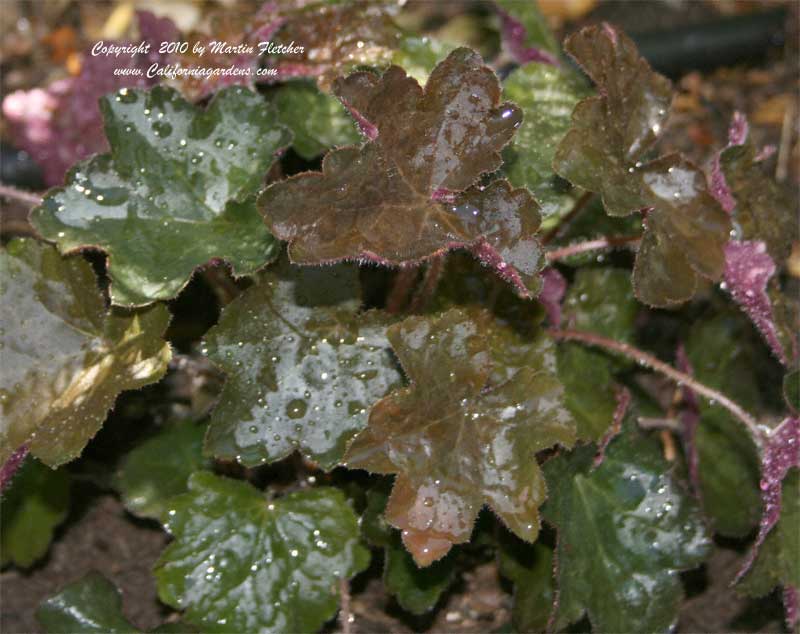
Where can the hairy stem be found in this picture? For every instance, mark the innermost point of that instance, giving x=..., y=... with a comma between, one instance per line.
x=11, y=465
x=590, y=245
x=344, y=608
x=667, y=370
x=400, y=289
x=12, y=193
x=429, y=283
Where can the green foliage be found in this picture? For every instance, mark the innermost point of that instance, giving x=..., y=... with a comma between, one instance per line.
x=242, y=563
x=625, y=527
x=530, y=567
x=59, y=382
x=30, y=510
x=176, y=191
x=157, y=469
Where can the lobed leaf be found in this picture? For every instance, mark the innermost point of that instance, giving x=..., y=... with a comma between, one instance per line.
x=57, y=386
x=626, y=527
x=482, y=400
x=547, y=96
x=318, y=121
x=303, y=366
x=175, y=192
x=426, y=145
x=240, y=563
x=31, y=508
x=156, y=470
x=685, y=227
x=87, y=606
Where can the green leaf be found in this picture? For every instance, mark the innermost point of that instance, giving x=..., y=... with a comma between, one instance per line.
x=625, y=527
x=65, y=358
x=547, y=96
x=31, y=508
x=175, y=192
x=240, y=563
x=318, y=121
x=778, y=559
x=416, y=589
x=483, y=399
x=87, y=606
x=157, y=470
x=725, y=356
x=530, y=568
x=415, y=167
x=599, y=300
x=303, y=366
x=418, y=56
x=685, y=227
x=537, y=31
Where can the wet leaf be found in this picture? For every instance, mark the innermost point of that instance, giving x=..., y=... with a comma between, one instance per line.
x=157, y=470
x=30, y=510
x=61, y=124
x=547, y=96
x=526, y=34
x=91, y=604
x=530, y=568
x=426, y=145
x=60, y=379
x=242, y=563
x=303, y=366
x=318, y=121
x=600, y=300
x=625, y=527
x=685, y=227
x=482, y=400
x=175, y=192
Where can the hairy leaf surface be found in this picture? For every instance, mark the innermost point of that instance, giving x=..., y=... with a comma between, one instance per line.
x=625, y=527
x=87, y=606
x=65, y=357
x=547, y=96
x=426, y=145
x=240, y=563
x=175, y=192
x=30, y=510
x=303, y=366
x=482, y=400
x=318, y=121
x=157, y=470
x=685, y=227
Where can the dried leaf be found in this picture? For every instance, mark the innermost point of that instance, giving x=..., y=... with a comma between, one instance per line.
x=59, y=382
x=350, y=210
x=175, y=192
x=482, y=400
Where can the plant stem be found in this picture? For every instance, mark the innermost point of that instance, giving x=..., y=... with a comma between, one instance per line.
x=12, y=193
x=429, y=283
x=667, y=370
x=401, y=287
x=11, y=465
x=578, y=207
x=590, y=245
x=344, y=608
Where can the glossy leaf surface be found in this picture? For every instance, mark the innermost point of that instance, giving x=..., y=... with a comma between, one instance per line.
x=685, y=227
x=175, y=192
x=30, y=510
x=318, y=121
x=157, y=470
x=625, y=527
x=599, y=300
x=482, y=400
x=60, y=379
x=426, y=145
x=87, y=606
x=240, y=563
x=302, y=364
x=547, y=96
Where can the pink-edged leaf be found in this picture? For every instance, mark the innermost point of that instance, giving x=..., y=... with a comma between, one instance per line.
x=553, y=288
x=748, y=269
x=737, y=134
x=623, y=397
x=525, y=34
x=61, y=124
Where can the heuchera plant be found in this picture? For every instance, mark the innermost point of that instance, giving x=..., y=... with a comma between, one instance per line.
x=397, y=310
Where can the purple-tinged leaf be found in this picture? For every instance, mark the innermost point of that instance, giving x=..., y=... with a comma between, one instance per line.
x=61, y=124
x=400, y=198
x=781, y=452
x=525, y=34
x=11, y=465
x=748, y=269
x=553, y=288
